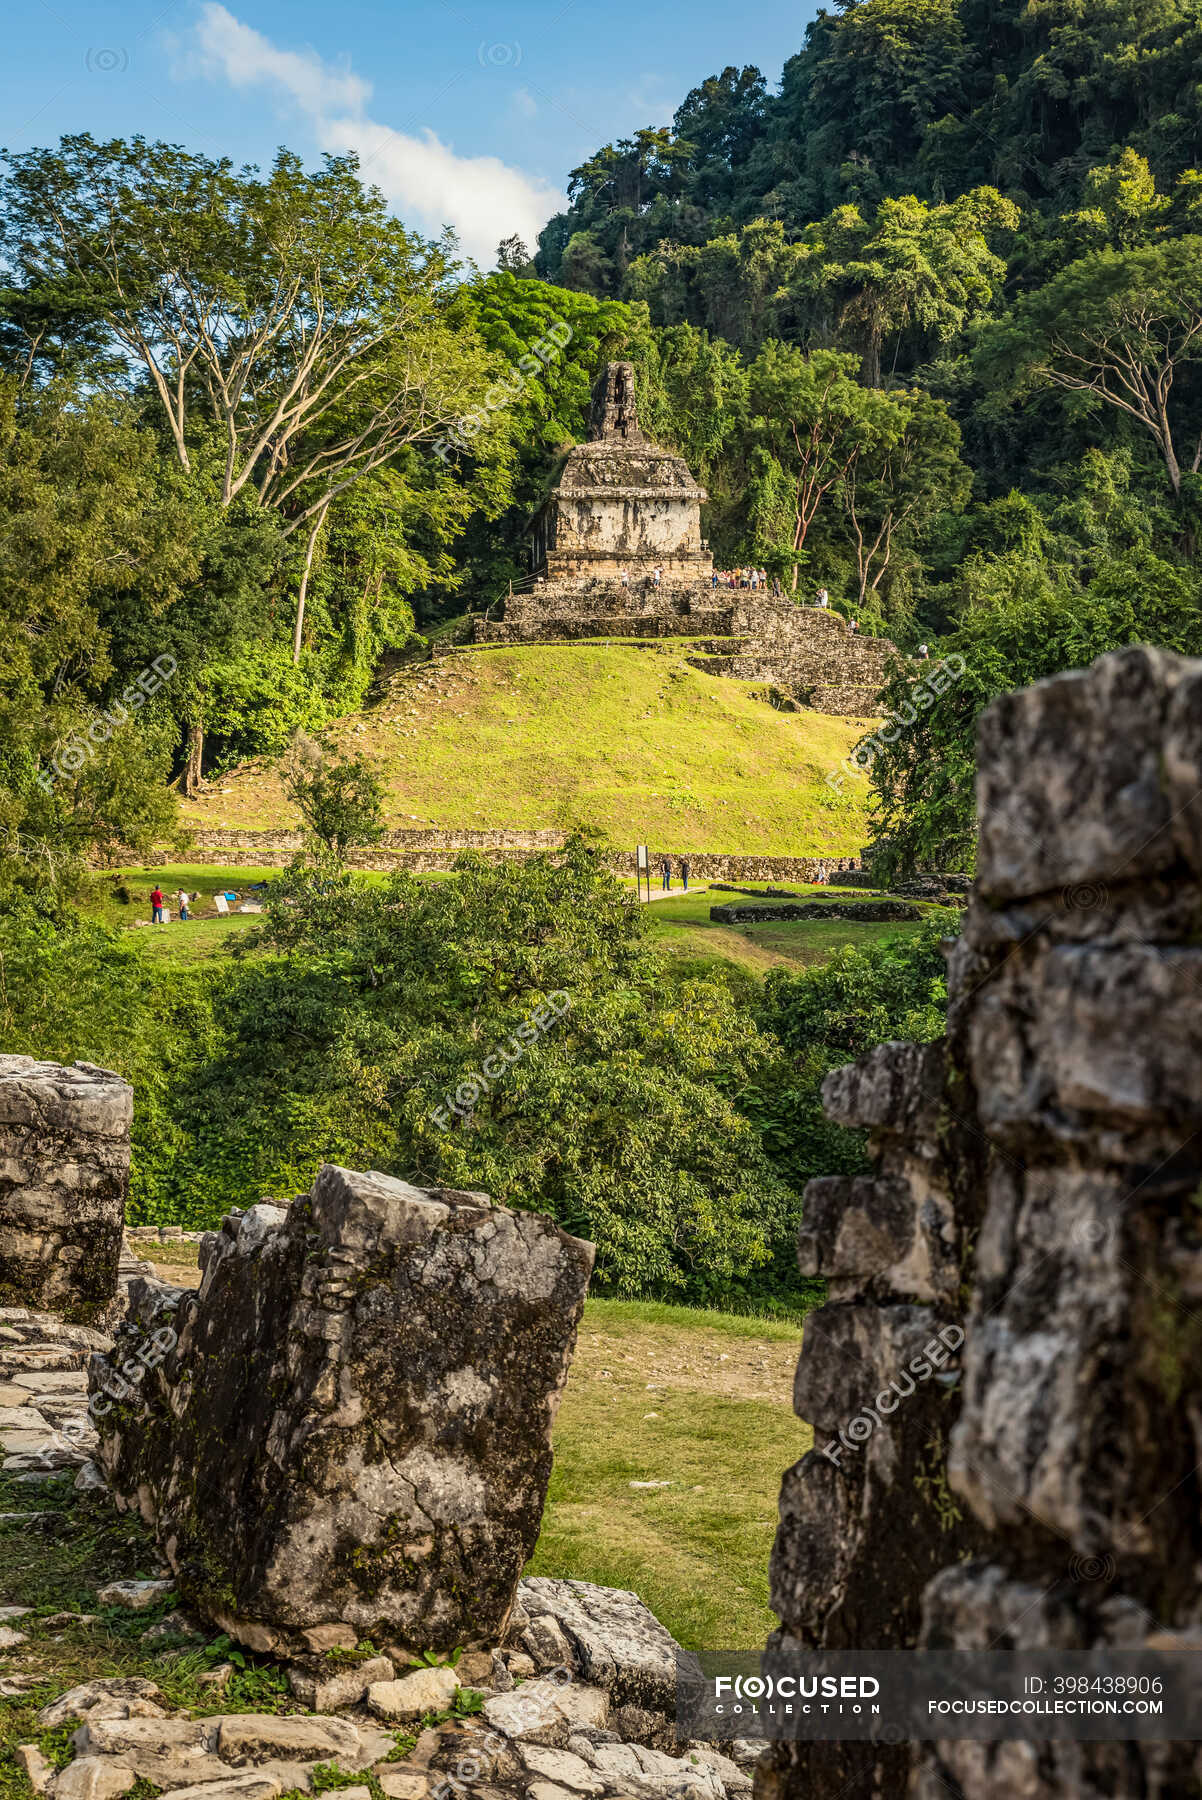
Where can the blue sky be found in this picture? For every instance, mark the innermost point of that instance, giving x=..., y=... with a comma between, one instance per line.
x=470, y=114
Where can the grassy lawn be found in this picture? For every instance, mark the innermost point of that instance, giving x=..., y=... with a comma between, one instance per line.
x=205, y=933
x=681, y=927
x=633, y=741
x=702, y=1403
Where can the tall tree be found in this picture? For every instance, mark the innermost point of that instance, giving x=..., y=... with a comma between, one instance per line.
x=1122, y=329
x=812, y=421
x=915, y=267
x=300, y=321
x=910, y=470
x=88, y=523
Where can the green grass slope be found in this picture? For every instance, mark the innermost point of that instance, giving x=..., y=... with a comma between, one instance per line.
x=630, y=740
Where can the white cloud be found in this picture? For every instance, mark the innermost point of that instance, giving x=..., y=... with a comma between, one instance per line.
x=525, y=103
x=481, y=197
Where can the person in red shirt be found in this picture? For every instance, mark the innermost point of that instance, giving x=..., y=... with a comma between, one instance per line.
x=156, y=906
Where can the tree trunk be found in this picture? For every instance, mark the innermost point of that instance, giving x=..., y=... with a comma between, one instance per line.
x=195, y=751
x=318, y=522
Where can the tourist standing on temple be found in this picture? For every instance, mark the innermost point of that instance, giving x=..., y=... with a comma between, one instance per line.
x=156, y=905
x=684, y=873
x=667, y=872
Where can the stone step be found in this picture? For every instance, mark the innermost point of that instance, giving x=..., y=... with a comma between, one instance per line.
x=31, y=1358
x=22, y=1422
x=41, y=1464
x=606, y=626
x=53, y=1381
x=20, y=1327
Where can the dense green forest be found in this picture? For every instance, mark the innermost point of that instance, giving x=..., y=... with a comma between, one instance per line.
x=927, y=323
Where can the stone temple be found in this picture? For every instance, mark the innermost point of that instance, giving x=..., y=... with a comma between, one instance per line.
x=621, y=504
x=617, y=553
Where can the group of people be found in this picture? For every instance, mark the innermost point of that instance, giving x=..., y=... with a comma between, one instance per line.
x=666, y=869
x=182, y=901
x=745, y=578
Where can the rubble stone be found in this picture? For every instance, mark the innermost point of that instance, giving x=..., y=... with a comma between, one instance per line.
x=136, y=1596
x=424, y=1691
x=353, y=1423
x=93, y=1778
x=616, y=1641
x=327, y=1690
x=64, y=1176
x=109, y=1697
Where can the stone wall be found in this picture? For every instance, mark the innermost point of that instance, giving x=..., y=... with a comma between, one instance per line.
x=275, y=850
x=856, y=912
x=809, y=652
x=350, y=1432
x=428, y=838
x=1037, y=1189
x=64, y=1178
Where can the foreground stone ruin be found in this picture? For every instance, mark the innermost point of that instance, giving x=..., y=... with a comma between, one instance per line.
x=374, y=1369
x=576, y=1704
x=1037, y=1192
x=350, y=1432
x=64, y=1177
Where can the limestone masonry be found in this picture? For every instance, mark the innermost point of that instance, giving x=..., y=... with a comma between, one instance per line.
x=621, y=502
x=64, y=1175
x=1037, y=1190
x=353, y=1427
x=624, y=512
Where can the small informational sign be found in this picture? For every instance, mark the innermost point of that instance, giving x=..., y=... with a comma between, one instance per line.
x=644, y=860
x=221, y=903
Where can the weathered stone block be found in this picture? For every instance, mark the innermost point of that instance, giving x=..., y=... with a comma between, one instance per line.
x=614, y=1641
x=1070, y=788
x=353, y=1426
x=1077, y=1323
x=64, y=1177
x=896, y=1087
x=863, y=1362
x=1098, y=1043
x=892, y=1235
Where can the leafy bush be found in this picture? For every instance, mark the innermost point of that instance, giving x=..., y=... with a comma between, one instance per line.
x=832, y=1015
x=73, y=991
x=508, y=1030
